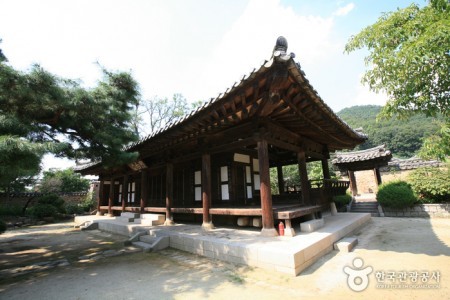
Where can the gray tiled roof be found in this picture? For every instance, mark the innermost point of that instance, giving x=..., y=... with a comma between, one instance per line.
x=410, y=164
x=362, y=155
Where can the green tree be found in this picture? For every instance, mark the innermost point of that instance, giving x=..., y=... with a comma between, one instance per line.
x=64, y=181
x=409, y=60
x=41, y=112
x=156, y=113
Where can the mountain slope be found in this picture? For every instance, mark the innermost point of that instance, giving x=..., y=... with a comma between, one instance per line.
x=402, y=137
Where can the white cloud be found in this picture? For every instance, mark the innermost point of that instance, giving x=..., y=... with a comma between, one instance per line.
x=364, y=96
x=51, y=162
x=342, y=11
x=251, y=39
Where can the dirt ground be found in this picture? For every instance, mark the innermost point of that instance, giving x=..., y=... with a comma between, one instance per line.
x=389, y=246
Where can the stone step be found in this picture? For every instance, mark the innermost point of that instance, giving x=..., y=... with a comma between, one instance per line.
x=364, y=208
x=147, y=239
x=346, y=244
x=130, y=215
x=125, y=219
x=151, y=219
x=365, y=205
x=150, y=243
x=144, y=246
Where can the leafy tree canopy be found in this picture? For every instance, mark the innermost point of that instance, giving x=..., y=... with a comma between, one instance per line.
x=41, y=112
x=409, y=59
x=64, y=181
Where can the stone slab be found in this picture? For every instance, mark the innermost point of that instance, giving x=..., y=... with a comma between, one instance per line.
x=346, y=244
x=130, y=215
x=281, y=254
x=312, y=225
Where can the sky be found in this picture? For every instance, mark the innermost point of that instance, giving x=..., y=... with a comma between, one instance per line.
x=198, y=48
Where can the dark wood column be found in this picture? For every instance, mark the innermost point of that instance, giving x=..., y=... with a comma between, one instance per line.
x=325, y=169
x=111, y=197
x=124, y=191
x=100, y=196
x=169, y=194
x=377, y=174
x=353, y=187
x=265, y=191
x=280, y=179
x=306, y=193
x=206, y=191
x=144, y=189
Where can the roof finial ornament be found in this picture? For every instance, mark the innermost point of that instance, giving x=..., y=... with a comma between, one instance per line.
x=280, y=46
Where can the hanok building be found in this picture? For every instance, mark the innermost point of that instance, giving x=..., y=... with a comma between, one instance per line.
x=369, y=159
x=215, y=162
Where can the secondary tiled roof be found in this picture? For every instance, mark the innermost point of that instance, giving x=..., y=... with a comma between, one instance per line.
x=362, y=155
x=410, y=164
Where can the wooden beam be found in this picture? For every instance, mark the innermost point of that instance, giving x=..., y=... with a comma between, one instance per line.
x=353, y=186
x=325, y=169
x=280, y=179
x=377, y=174
x=265, y=191
x=111, y=197
x=306, y=189
x=206, y=191
x=169, y=194
x=124, y=191
x=311, y=123
x=100, y=196
x=144, y=189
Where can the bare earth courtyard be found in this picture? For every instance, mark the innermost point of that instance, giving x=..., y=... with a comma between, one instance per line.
x=58, y=262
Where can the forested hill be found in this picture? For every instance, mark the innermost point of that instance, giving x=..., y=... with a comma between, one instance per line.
x=402, y=137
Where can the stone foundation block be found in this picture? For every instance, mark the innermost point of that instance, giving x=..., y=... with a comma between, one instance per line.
x=243, y=221
x=312, y=225
x=257, y=222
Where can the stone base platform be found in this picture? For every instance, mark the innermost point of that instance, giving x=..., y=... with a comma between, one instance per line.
x=289, y=255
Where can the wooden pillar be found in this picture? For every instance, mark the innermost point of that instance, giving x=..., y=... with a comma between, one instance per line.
x=376, y=172
x=144, y=189
x=265, y=191
x=206, y=191
x=124, y=191
x=169, y=194
x=280, y=179
x=353, y=187
x=100, y=196
x=306, y=193
x=111, y=197
x=325, y=169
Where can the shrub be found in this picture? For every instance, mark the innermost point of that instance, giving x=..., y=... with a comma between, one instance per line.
x=2, y=226
x=53, y=200
x=88, y=203
x=72, y=208
x=432, y=185
x=10, y=210
x=396, y=194
x=342, y=200
x=42, y=210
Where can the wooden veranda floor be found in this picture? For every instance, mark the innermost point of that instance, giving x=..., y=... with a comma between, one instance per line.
x=280, y=211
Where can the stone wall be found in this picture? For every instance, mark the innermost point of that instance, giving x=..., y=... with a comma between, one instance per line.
x=22, y=198
x=365, y=180
x=421, y=210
